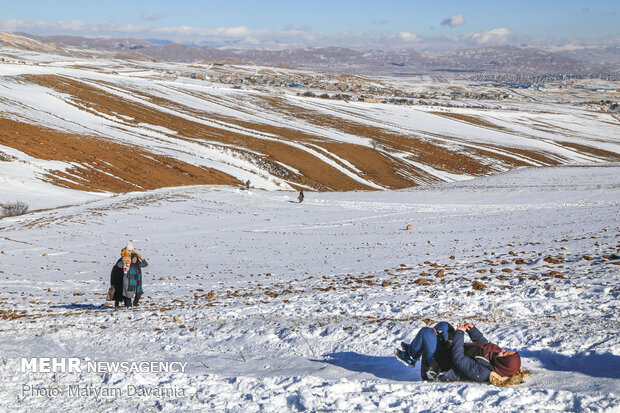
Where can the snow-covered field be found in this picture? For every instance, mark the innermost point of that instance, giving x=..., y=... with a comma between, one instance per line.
x=280, y=306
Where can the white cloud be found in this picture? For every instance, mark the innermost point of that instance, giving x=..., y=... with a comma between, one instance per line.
x=409, y=37
x=301, y=36
x=234, y=32
x=74, y=27
x=500, y=35
x=454, y=20
x=289, y=37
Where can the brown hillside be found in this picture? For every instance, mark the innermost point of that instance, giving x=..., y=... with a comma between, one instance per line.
x=386, y=158
x=104, y=165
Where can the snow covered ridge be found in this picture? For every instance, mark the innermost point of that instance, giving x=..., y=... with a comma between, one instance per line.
x=279, y=306
x=113, y=126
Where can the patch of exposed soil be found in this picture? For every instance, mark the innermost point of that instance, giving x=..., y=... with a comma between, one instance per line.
x=376, y=166
x=589, y=150
x=469, y=119
x=104, y=165
x=422, y=151
x=316, y=173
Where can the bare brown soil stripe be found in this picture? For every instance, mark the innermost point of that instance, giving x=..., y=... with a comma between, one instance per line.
x=131, y=168
x=422, y=150
x=316, y=173
x=469, y=119
x=589, y=150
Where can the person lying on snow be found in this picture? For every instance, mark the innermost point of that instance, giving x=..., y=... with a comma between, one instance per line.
x=478, y=360
x=126, y=277
x=483, y=361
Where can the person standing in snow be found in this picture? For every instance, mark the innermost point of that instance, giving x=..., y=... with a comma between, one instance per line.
x=432, y=345
x=132, y=279
x=301, y=196
x=116, y=279
x=126, y=277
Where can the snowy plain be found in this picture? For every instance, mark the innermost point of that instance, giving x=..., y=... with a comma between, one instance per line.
x=281, y=306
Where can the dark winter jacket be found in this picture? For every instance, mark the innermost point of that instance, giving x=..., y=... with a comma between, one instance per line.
x=443, y=354
x=116, y=281
x=474, y=368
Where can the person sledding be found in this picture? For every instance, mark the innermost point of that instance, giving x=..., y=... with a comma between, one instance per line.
x=126, y=277
x=301, y=196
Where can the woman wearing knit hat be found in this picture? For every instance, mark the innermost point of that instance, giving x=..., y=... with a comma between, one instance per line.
x=134, y=273
x=132, y=278
x=483, y=361
x=126, y=277
x=126, y=252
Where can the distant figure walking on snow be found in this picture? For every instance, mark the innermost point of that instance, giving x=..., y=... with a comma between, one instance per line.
x=247, y=184
x=126, y=277
x=301, y=196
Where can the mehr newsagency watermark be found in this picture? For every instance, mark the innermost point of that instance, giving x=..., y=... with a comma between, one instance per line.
x=77, y=365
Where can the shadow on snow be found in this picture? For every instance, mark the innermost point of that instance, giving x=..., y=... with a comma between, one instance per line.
x=379, y=366
x=76, y=306
x=594, y=365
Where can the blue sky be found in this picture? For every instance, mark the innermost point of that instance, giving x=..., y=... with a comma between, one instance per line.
x=321, y=22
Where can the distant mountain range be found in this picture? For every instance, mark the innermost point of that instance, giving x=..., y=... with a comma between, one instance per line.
x=488, y=60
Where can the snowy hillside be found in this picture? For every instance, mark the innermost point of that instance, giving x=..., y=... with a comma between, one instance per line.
x=110, y=126
x=280, y=306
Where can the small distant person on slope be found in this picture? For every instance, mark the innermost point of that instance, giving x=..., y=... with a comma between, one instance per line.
x=247, y=184
x=301, y=196
x=126, y=277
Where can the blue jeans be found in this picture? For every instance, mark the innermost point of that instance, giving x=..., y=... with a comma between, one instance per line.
x=426, y=344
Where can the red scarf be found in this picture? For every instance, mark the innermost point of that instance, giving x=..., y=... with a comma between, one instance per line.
x=504, y=366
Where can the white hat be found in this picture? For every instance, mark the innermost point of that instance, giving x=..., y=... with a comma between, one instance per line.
x=129, y=246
